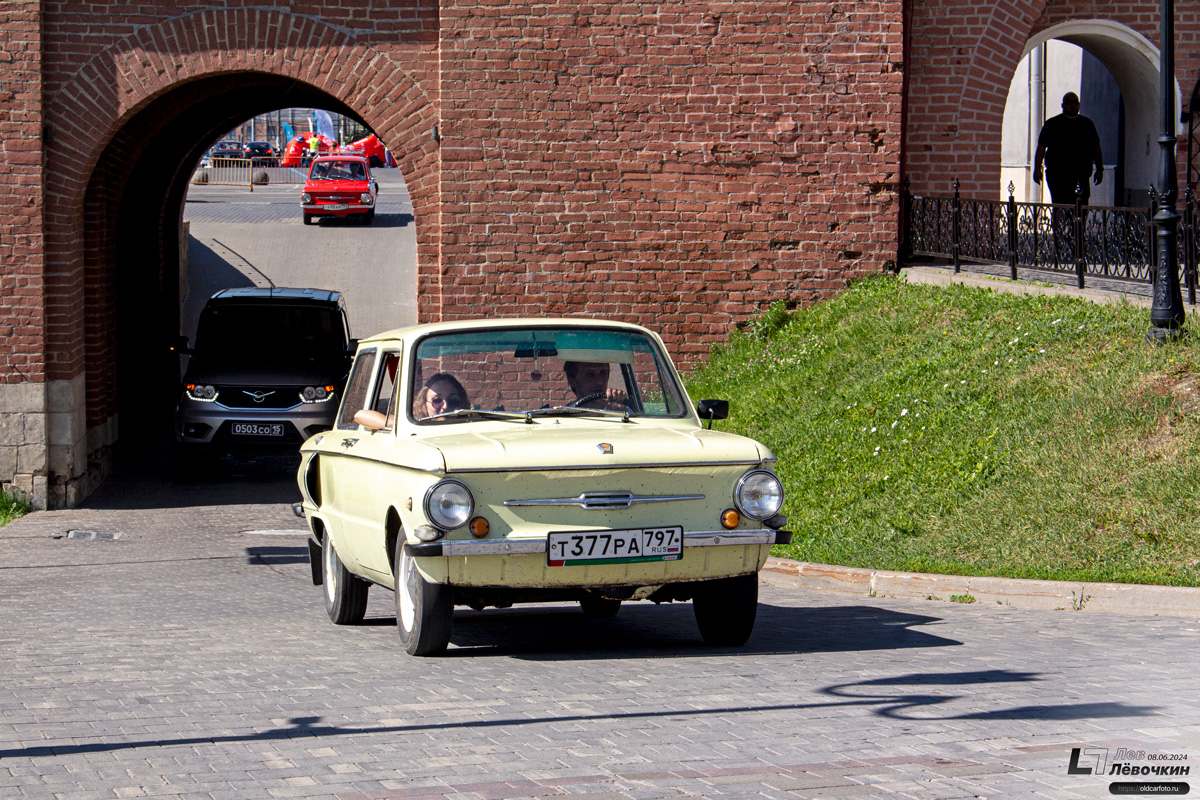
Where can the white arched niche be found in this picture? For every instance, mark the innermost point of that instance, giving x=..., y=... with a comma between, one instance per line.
x=1132, y=60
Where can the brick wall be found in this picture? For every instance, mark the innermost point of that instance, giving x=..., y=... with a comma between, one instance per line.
x=21, y=256
x=671, y=163
x=676, y=164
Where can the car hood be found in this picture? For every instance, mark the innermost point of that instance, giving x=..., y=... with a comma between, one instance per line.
x=239, y=372
x=578, y=445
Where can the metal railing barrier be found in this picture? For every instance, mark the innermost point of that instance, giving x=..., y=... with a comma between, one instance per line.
x=1114, y=243
x=246, y=172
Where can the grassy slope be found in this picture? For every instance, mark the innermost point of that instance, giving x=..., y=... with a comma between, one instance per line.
x=11, y=508
x=967, y=432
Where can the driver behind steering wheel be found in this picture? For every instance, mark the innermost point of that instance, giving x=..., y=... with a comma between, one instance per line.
x=589, y=382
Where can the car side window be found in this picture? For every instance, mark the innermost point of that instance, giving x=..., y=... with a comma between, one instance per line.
x=384, y=396
x=356, y=388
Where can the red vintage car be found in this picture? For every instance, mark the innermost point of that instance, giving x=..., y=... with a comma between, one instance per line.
x=339, y=186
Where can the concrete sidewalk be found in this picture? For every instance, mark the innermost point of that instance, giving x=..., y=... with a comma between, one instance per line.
x=1116, y=598
x=1105, y=292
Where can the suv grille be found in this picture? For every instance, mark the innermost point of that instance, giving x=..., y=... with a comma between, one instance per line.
x=275, y=397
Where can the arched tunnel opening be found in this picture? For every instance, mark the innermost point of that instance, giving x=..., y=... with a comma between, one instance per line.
x=135, y=241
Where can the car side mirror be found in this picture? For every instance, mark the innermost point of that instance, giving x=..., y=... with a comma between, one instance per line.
x=352, y=347
x=713, y=409
x=181, y=347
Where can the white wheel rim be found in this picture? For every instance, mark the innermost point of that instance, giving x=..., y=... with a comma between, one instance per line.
x=407, y=592
x=328, y=562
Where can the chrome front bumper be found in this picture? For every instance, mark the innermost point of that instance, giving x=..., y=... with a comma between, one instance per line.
x=517, y=547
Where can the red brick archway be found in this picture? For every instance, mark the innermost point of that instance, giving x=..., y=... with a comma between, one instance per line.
x=963, y=56
x=119, y=159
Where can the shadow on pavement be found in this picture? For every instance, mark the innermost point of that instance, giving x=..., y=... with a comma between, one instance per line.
x=383, y=219
x=641, y=630
x=146, y=483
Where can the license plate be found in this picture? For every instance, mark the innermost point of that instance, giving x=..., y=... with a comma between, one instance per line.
x=335, y=206
x=257, y=429
x=614, y=547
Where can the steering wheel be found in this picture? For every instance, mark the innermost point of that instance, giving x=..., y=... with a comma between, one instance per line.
x=588, y=399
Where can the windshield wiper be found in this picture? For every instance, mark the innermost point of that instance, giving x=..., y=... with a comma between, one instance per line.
x=481, y=413
x=556, y=411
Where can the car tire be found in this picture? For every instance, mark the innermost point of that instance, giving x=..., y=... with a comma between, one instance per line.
x=369, y=217
x=599, y=607
x=725, y=609
x=308, y=219
x=345, y=594
x=424, y=610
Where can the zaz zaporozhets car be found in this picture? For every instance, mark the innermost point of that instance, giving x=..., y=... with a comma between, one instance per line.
x=487, y=463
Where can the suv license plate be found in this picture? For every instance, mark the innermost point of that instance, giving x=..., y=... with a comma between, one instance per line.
x=632, y=546
x=256, y=429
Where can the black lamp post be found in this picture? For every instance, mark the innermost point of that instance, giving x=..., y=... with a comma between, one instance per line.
x=1166, y=313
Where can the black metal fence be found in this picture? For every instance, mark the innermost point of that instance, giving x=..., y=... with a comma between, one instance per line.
x=1087, y=241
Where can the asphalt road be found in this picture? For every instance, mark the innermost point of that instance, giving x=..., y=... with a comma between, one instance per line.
x=258, y=238
x=178, y=649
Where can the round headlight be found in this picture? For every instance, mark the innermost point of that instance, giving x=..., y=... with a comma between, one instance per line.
x=759, y=495
x=366, y=198
x=205, y=394
x=306, y=199
x=449, y=505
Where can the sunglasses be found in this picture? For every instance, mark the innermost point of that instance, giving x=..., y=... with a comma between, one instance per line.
x=450, y=403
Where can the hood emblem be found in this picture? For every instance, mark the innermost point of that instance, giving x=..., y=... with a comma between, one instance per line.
x=258, y=397
x=605, y=448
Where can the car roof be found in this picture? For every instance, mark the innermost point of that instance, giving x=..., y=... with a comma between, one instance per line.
x=250, y=295
x=339, y=157
x=504, y=322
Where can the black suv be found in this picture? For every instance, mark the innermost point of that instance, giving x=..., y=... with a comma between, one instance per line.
x=265, y=374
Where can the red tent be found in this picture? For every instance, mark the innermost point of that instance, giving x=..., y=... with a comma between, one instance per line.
x=297, y=149
x=369, y=148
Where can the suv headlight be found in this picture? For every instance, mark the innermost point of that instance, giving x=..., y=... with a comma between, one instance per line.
x=759, y=495
x=316, y=394
x=449, y=505
x=366, y=198
x=306, y=199
x=201, y=393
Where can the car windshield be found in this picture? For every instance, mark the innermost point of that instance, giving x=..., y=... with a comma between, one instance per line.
x=281, y=331
x=542, y=371
x=338, y=171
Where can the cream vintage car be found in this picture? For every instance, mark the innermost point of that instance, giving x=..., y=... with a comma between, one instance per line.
x=486, y=463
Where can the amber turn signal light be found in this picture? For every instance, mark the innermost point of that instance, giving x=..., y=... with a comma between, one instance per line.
x=479, y=527
x=730, y=518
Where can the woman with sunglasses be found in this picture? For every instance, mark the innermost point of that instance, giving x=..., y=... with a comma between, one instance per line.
x=441, y=394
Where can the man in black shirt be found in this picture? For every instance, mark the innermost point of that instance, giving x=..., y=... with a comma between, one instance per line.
x=1070, y=145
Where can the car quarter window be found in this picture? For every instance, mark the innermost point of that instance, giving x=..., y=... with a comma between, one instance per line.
x=383, y=397
x=356, y=388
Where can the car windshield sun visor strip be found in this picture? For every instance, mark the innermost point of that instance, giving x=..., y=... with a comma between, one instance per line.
x=603, y=500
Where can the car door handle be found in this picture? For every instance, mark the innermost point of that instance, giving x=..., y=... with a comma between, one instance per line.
x=349, y=442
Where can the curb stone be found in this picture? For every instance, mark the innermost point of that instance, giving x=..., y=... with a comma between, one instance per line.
x=1115, y=598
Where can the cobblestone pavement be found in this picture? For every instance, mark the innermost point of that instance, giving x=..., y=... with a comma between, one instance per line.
x=190, y=657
